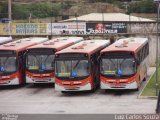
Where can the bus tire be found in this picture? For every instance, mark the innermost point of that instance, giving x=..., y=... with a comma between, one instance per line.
x=105, y=91
x=64, y=92
x=94, y=88
x=145, y=76
x=137, y=89
x=22, y=85
x=144, y=79
x=138, y=85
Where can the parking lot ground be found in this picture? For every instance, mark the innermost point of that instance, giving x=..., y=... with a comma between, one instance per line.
x=43, y=99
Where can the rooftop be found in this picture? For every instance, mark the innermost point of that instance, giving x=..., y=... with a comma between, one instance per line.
x=88, y=46
x=126, y=44
x=109, y=17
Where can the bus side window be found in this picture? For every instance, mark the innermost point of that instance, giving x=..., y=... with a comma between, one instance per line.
x=147, y=47
x=146, y=50
x=138, y=60
x=143, y=53
x=139, y=57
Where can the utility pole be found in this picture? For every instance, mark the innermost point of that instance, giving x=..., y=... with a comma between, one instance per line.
x=10, y=9
x=157, y=47
x=9, y=15
x=51, y=20
x=76, y=15
x=157, y=51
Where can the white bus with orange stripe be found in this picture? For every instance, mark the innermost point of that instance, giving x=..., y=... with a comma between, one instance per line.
x=12, y=60
x=123, y=65
x=40, y=59
x=76, y=67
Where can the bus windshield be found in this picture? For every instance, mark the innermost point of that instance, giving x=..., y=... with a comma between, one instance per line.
x=118, y=66
x=72, y=68
x=7, y=64
x=40, y=62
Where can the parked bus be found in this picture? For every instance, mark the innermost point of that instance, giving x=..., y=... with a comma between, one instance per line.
x=76, y=67
x=123, y=65
x=4, y=40
x=40, y=59
x=12, y=60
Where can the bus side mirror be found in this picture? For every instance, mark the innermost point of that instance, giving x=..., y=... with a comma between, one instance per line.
x=138, y=62
x=91, y=62
x=134, y=63
x=24, y=55
x=98, y=59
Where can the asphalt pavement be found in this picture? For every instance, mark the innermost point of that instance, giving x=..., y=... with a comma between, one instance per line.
x=43, y=99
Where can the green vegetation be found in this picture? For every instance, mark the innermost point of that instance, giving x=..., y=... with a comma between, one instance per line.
x=47, y=9
x=143, y=6
x=116, y=2
x=36, y=10
x=149, y=90
x=3, y=10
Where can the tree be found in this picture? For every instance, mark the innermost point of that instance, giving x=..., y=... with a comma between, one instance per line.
x=144, y=6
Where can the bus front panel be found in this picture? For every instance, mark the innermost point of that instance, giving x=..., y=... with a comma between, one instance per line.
x=40, y=66
x=118, y=71
x=72, y=73
x=9, y=72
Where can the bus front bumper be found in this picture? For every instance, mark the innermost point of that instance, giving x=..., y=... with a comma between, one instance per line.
x=132, y=85
x=14, y=81
x=36, y=80
x=73, y=88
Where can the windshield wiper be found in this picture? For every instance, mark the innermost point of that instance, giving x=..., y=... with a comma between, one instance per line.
x=122, y=63
x=36, y=59
x=6, y=61
x=76, y=65
x=113, y=64
x=46, y=59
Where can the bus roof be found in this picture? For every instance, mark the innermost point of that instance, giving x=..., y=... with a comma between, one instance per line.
x=5, y=39
x=88, y=46
x=22, y=44
x=127, y=44
x=58, y=43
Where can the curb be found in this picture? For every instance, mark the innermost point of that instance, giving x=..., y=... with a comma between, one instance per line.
x=147, y=97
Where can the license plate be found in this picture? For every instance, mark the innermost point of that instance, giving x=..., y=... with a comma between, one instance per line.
x=116, y=85
x=71, y=88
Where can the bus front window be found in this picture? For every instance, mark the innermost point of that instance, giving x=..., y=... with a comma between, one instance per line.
x=118, y=66
x=72, y=68
x=108, y=66
x=40, y=62
x=126, y=66
x=63, y=68
x=7, y=64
